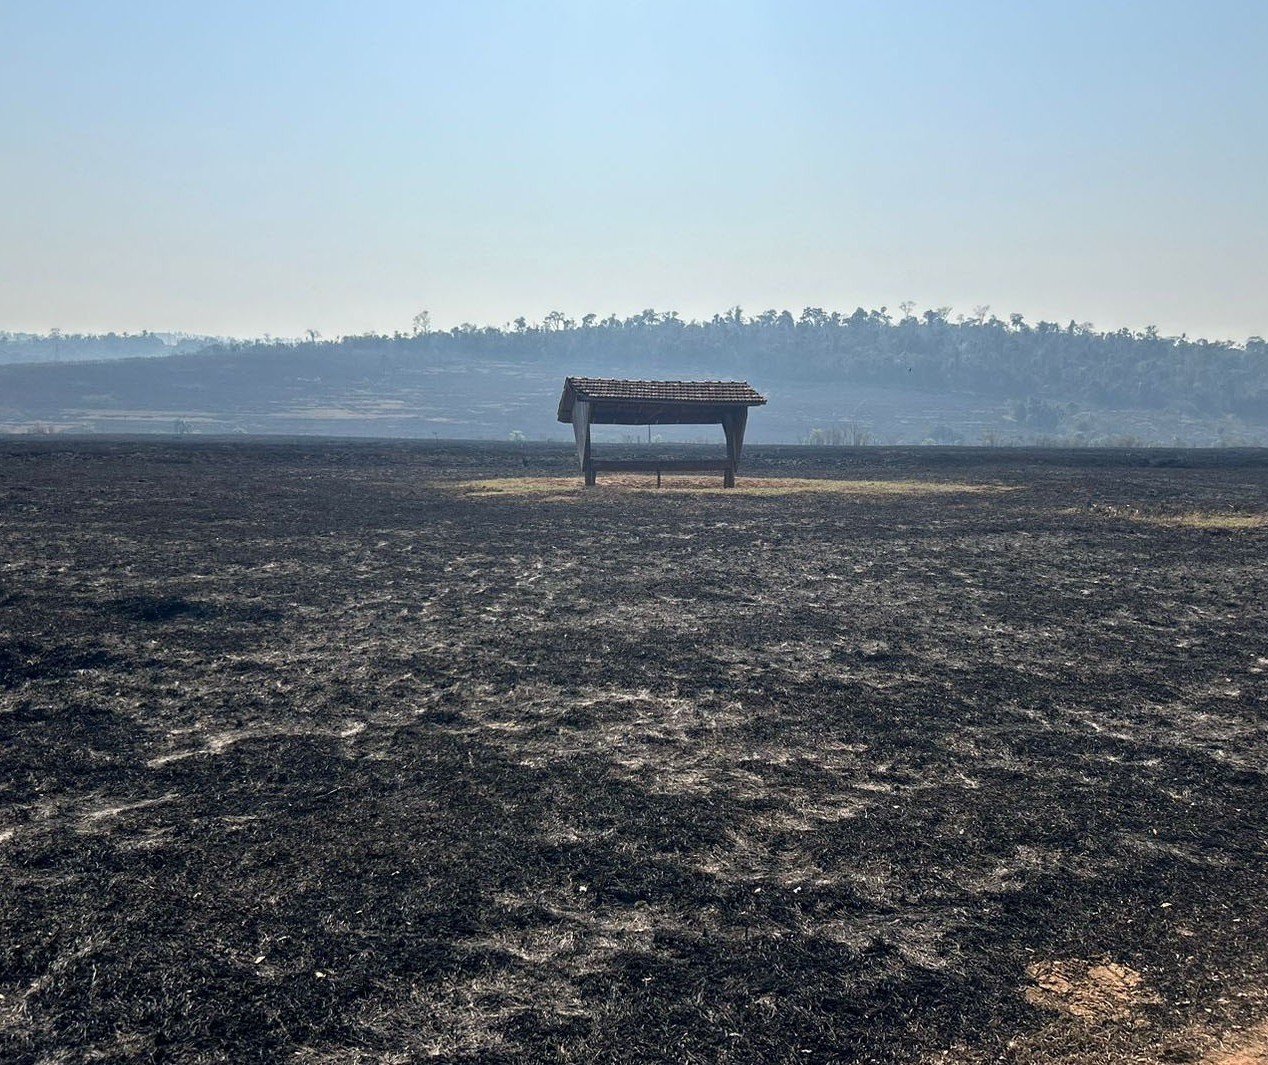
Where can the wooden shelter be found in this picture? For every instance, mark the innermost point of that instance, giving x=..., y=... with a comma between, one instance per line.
x=591, y=401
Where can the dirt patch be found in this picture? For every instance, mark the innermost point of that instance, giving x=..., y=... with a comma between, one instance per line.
x=1249, y=1047
x=1101, y=991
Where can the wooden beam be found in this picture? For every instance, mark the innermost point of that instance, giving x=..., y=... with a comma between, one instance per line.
x=717, y=465
x=608, y=412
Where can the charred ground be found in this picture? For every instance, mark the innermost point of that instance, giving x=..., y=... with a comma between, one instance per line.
x=309, y=753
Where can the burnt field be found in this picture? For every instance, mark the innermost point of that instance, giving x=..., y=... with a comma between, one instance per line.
x=322, y=752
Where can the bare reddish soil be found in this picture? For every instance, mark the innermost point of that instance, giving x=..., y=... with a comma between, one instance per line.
x=309, y=754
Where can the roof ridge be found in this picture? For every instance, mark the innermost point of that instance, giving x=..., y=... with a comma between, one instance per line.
x=662, y=381
x=632, y=391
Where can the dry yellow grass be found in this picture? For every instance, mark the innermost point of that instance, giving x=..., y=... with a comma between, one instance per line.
x=1196, y=519
x=1189, y=519
x=558, y=489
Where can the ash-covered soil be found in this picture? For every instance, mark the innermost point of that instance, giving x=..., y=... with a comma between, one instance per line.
x=309, y=753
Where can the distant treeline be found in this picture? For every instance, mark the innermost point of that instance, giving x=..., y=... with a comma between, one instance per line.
x=981, y=353
x=1036, y=363
x=57, y=346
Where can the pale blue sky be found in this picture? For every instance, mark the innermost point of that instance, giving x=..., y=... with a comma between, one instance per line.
x=272, y=167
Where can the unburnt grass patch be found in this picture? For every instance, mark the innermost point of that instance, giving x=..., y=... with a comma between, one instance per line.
x=568, y=488
x=1223, y=521
x=1196, y=519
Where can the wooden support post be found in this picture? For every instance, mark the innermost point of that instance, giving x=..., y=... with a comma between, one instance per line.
x=733, y=423
x=581, y=432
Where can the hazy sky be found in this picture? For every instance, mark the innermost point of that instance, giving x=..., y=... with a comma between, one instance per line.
x=241, y=168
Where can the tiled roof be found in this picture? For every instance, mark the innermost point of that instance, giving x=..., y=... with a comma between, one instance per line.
x=604, y=388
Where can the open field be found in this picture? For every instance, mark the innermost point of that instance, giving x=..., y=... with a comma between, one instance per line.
x=318, y=752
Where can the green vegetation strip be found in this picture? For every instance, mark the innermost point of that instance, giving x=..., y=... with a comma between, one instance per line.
x=568, y=488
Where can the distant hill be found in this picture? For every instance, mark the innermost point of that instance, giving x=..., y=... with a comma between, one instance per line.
x=832, y=378
x=80, y=347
